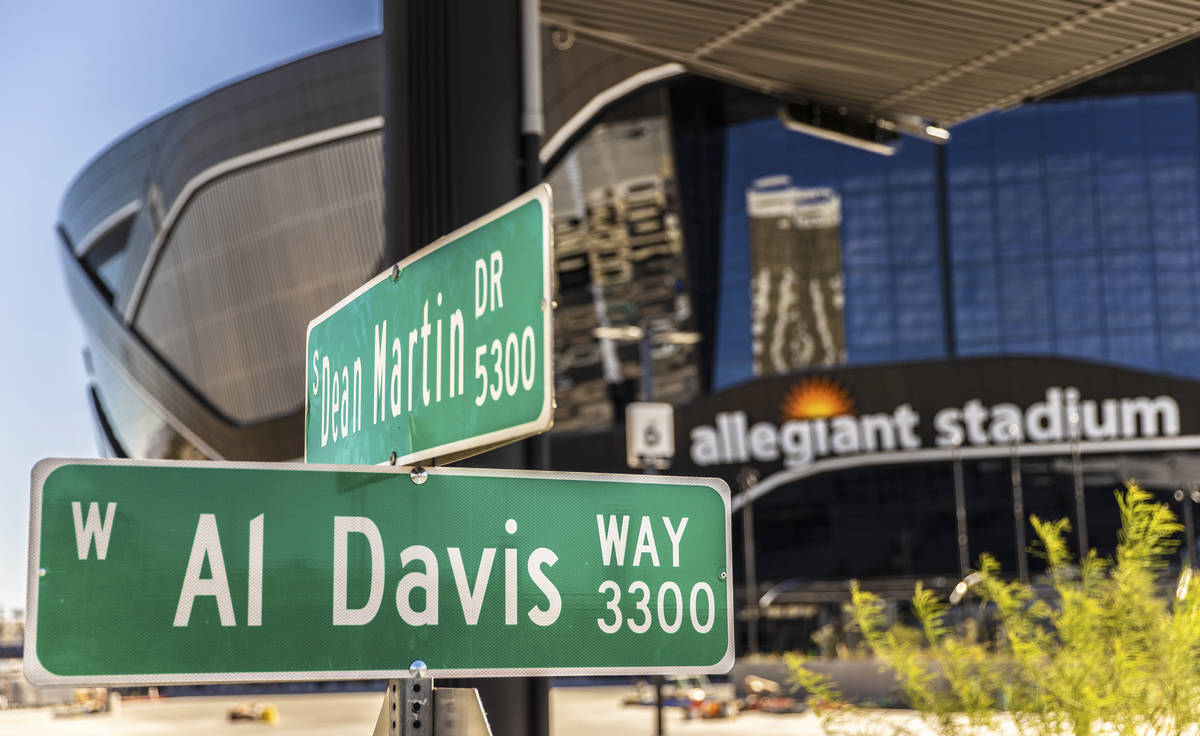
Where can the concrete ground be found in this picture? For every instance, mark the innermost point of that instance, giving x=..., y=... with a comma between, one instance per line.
x=593, y=711
x=574, y=711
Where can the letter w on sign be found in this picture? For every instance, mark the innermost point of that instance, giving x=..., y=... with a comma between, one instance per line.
x=92, y=529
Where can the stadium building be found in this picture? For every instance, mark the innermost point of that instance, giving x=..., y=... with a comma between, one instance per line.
x=907, y=345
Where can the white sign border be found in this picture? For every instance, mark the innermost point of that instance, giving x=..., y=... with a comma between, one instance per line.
x=39, y=675
x=545, y=418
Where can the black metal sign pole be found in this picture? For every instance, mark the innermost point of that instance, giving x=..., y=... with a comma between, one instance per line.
x=747, y=477
x=1081, y=522
x=452, y=149
x=1018, y=494
x=646, y=358
x=960, y=511
x=537, y=449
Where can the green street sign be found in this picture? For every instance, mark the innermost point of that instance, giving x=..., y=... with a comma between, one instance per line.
x=444, y=356
x=160, y=572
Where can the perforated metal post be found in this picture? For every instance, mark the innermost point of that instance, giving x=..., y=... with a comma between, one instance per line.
x=416, y=701
x=387, y=723
x=414, y=707
x=407, y=709
x=408, y=706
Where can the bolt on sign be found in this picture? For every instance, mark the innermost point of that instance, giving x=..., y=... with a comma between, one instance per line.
x=150, y=572
x=443, y=356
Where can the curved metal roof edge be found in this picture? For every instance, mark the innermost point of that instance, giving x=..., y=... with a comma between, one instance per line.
x=161, y=117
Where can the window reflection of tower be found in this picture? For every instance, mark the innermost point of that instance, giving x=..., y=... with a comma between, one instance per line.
x=619, y=261
x=797, y=301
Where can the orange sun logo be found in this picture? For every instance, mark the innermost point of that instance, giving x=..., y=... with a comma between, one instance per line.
x=816, y=398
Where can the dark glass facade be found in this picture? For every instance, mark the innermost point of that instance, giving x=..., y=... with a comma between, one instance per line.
x=889, y=243
x=1072, y=231
x=619, y=259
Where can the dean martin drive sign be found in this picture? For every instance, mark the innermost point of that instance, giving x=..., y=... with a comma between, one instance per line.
x=445, y=355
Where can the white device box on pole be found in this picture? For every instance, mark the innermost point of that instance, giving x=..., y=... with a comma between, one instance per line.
x=649, y=434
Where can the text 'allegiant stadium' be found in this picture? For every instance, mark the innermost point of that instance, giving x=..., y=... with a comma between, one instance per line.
x=1062, y=417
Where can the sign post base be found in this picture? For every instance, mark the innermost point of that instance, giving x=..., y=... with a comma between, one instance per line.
x=414, y=707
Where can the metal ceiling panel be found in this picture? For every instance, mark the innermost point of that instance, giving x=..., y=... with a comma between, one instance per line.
x=941, y=61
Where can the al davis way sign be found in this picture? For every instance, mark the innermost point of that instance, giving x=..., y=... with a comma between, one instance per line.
x=149, y=573
x=445, y=355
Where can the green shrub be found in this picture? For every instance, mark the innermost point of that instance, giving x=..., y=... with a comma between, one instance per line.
x=1109, y=651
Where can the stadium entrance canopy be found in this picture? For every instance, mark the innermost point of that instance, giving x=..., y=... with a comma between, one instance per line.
x=901, y=63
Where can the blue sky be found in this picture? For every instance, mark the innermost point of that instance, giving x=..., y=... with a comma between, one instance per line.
x=75, y=76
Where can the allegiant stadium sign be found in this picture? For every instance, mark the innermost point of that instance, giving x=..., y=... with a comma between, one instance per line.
x=1064, y=414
